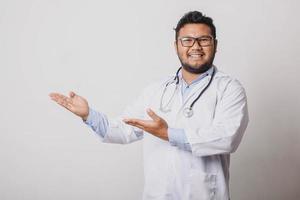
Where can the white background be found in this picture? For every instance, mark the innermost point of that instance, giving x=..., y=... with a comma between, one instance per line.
x=107, y=51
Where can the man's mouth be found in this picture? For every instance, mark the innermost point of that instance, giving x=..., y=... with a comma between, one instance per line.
x=196, y=55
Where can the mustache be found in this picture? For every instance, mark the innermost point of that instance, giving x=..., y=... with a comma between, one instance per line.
x=201, y=53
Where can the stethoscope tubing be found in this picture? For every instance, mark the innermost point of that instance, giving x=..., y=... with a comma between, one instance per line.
x=188, y=111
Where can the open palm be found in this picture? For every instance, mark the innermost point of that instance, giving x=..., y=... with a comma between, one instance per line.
x=74, y=103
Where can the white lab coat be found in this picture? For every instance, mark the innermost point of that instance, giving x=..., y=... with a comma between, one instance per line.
x=214, y=131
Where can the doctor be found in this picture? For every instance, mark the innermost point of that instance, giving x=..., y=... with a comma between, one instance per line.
x=190, y=123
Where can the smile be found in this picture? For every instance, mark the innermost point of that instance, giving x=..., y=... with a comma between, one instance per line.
x=196, y=55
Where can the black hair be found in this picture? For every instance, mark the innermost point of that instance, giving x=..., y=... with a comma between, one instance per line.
x=195, y=17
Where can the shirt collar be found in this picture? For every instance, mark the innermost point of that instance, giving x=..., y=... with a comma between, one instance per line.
x=200, y=77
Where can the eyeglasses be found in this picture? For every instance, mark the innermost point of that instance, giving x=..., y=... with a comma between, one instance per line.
x=202, y=41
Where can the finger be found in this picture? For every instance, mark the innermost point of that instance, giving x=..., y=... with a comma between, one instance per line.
x=135, y=125
x=72, y=94
x=137, y=122
x=62, y=96
x=131, y=122
x=67, y=103
x=53, y=95
x=69, y=107
x=153, y=115
x=61, y=99
x=61, y=102
x=140, y=127
x=56, y=96
x=65, y=99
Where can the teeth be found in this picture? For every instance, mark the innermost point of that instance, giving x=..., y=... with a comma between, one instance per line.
x=196, y=55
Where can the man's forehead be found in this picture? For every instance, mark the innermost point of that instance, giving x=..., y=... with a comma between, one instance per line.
x=195, y=30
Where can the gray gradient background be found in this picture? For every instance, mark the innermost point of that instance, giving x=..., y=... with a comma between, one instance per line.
x=107, y=51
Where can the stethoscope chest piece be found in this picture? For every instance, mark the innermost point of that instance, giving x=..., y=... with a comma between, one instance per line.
x=188, y=112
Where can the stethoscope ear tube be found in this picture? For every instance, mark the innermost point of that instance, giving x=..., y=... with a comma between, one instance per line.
x=200, y=94
x=188, y=111
x=177, y=76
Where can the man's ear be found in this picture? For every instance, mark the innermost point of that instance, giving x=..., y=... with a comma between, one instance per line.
x=175, y=46
x=216, y=45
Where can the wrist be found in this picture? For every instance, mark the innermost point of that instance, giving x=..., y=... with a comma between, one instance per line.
x=85, y=117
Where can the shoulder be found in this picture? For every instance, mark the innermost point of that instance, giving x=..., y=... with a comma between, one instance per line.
x=226, y=82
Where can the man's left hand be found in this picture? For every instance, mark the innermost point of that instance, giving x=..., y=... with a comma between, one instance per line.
x=157, y=126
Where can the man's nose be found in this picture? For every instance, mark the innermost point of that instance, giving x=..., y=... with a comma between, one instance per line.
x=197, y=45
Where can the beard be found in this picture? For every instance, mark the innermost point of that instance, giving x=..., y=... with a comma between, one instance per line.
x=197, y=69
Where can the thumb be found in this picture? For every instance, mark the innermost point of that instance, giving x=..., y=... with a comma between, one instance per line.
x=152, y=114
x=72, y=94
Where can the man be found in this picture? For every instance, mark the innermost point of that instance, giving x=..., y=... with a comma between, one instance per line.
x=189, y=123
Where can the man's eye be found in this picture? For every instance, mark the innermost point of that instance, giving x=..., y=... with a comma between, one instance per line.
x=204, y=39
x=187, y=39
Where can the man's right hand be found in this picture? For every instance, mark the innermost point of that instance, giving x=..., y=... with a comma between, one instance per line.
x=74, y=103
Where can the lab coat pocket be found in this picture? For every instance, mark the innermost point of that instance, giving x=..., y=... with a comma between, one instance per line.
x=203, y=186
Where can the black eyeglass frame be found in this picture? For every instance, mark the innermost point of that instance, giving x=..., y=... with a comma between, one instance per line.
x=198, y=39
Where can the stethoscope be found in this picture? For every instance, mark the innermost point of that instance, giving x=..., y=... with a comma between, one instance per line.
x=188, y=111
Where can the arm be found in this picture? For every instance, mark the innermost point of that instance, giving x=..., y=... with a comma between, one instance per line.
x=225, y=133
x=97, y=121
x=178, y=138
x=159, y=128
x=110, y=130
x=222, y=136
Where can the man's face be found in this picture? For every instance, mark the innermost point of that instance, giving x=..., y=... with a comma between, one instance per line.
x=195, y=59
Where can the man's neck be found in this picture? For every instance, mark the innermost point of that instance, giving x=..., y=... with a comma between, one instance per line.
x=188, y=76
